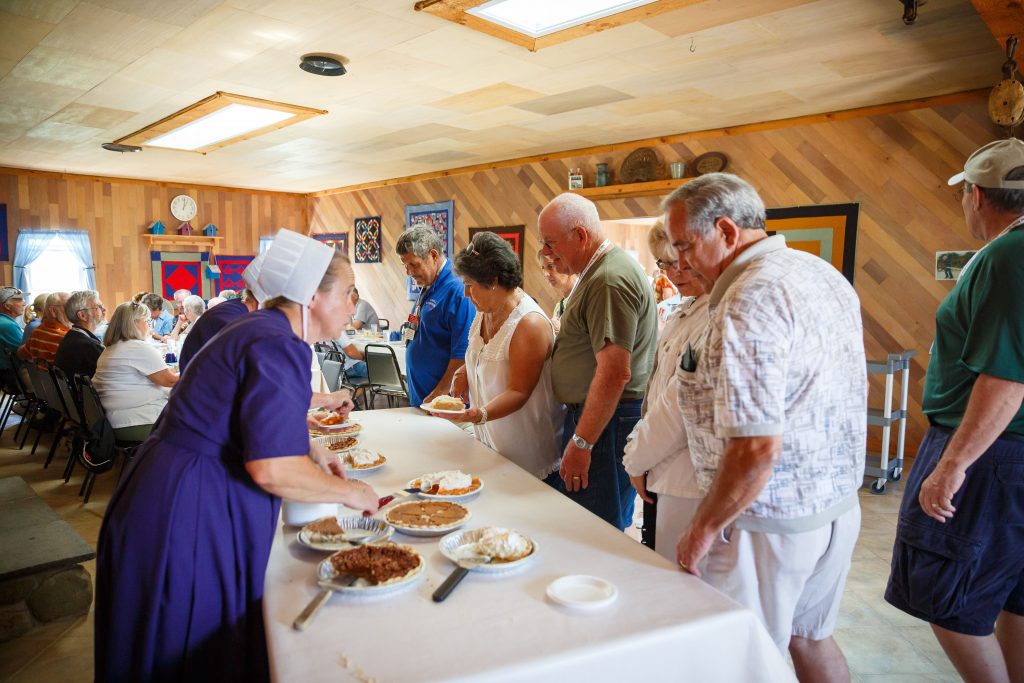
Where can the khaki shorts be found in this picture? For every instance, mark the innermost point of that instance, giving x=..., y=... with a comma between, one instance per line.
x=793, y=582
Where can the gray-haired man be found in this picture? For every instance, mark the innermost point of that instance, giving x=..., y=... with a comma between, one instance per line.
x=439, y=321
x=773, y=401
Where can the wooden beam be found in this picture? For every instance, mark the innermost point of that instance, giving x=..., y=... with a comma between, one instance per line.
x=1003, y=18
x=859, y=112
x=13, y=170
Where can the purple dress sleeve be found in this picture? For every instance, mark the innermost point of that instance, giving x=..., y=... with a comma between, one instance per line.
x=274, y=398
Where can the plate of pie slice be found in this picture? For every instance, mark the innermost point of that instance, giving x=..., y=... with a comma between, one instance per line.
x=359, y=461
x=451, y=485
x=381, y=568
x=427, y=517
x=335, y=533
x=507, y=549
x=339, y=443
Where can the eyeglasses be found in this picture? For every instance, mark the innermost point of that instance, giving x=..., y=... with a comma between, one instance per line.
x=666, y=265
x=101, y=307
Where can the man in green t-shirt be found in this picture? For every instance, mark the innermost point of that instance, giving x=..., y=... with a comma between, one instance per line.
x=602, y=357
x=958, y=561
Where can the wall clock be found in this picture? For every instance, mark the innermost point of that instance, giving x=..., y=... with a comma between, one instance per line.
x=183, y=207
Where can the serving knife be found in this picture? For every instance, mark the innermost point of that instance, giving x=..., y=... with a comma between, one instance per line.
x=327, y=589
x=404, y=493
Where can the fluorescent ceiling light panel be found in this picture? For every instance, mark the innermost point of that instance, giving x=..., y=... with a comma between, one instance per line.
x=537, y=18
x=230, y=122
x=217, y=121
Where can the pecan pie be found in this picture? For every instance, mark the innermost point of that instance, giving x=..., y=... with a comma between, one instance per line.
x=343, y=444
x=427, y=514
x=377, y=564
x=325, y=530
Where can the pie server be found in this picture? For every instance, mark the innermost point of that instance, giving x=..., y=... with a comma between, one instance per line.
x=327, y=589
x=397, y=494
x=466, y=564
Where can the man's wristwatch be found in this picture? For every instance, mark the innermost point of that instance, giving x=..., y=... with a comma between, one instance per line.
x=580, y=442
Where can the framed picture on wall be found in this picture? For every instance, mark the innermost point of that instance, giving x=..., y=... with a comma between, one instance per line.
x=439, y=216
x=336, y=240
x=515, y=235
x=826, y=230
x=367, y=238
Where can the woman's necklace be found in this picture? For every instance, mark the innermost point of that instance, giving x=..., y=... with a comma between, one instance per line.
x=492, y=323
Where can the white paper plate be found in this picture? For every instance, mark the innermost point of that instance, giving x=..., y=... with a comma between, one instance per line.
x=462, y=544
x=438, y=496
x=358, y=526
x=580, y=591
x=428, y=531
x=429, y=409
x=325, y=570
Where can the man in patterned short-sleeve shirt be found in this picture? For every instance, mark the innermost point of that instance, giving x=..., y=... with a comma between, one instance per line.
x=773, y=400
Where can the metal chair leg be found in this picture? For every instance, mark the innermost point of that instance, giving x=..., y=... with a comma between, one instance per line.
x=85, y=483
x=57, y=438
x=88, y=490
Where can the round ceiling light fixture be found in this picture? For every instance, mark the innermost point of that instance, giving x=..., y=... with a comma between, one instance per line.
x=118, y=147
x=323, y=64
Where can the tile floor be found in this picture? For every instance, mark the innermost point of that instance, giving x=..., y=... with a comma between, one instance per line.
x=880, y=642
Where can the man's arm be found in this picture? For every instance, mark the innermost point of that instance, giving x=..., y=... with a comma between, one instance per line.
x=992, y=405
x=446, y=379
x=358, y=324
x=744, y=470
x=610, y=378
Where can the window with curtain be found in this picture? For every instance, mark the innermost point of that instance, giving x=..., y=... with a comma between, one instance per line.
x=53, y=260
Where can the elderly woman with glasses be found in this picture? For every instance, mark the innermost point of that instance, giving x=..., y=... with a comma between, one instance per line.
x=656, y=456
x=192, y=307
x=131, y=377
x=507, y=373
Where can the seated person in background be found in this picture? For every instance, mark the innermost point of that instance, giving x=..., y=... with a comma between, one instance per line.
x=161, y=321
x=215, y=301
x=355, y=360
x=365, y=316
x=228, y=294
x=191, y=309
x=212, y=322
x=131, y=377
x=12, y=305
x=139, y=296
x=43, y=343
x=80, y=348
x=34, y=316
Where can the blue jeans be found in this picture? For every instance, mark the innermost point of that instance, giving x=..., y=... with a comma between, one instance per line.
x=609, y=494
x=358, y=370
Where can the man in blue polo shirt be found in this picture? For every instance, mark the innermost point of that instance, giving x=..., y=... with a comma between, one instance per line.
x=440, y=319
x=161, y=321
x=958, y=560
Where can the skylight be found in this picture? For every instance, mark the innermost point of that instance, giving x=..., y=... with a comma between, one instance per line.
x=537, y=18
x=231, y=121
x=217, y=121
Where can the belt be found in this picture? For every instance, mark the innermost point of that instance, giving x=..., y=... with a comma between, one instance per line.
x=1005, y=436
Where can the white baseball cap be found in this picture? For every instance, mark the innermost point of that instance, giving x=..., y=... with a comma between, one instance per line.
x=989, y=165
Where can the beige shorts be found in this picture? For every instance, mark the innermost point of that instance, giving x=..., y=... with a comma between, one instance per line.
x=793, y=582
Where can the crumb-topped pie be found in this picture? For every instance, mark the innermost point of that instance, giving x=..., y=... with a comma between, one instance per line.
x=377, y=564
x=342, y=444
x=427, y=515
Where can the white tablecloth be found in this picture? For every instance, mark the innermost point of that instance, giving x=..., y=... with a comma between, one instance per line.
x=665, y=625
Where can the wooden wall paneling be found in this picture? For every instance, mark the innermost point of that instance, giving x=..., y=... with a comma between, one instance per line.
x=117, y=212
x=893, y=162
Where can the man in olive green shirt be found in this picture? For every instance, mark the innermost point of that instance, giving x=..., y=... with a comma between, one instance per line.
x=602, y=357
x=958, y=560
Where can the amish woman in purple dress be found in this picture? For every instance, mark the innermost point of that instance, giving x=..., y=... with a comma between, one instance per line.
x=184, y=545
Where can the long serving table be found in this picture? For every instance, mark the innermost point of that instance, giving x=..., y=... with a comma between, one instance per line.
x=664, y=626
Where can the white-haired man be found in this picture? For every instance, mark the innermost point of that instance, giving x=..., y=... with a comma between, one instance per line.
x=773, y=400
x=958, y=561
x=602, y=358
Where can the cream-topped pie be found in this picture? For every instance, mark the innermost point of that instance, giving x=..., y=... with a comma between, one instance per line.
x=447, y=483
x=362, y=459
x=502, y=545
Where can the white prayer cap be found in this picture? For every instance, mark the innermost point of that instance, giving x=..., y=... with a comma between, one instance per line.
x=251, y=275
x=293, y=267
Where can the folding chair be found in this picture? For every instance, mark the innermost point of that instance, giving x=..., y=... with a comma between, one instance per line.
x=384, y=374
x=101, y=451
x=332, y=373
x=44, y=388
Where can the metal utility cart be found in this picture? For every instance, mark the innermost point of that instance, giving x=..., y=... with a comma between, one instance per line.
x=885, y=417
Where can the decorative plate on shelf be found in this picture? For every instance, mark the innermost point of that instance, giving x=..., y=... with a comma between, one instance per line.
x=641, y=166
x=712, y=162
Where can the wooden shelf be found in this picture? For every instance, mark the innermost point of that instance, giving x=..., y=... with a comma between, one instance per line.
x=161, y=242
x=655, y=187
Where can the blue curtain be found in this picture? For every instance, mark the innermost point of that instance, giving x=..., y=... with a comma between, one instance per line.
x=78, y=242
x=30, y=245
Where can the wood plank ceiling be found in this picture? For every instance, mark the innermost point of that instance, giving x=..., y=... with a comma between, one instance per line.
x=424, y=95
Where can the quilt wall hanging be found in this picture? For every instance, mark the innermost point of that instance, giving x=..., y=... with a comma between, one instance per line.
x=335, y=240
x=441, y=217
x=827, y=230
x=515, y=235
x=367, y=239
x=231, y=269
x=181, y=270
